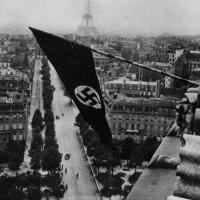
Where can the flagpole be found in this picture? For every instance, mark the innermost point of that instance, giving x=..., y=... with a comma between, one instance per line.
x=144, y=67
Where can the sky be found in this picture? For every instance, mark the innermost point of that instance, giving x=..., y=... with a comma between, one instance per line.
x=129, y=17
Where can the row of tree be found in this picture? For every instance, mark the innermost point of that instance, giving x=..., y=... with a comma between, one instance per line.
x=127, y=149
x=28, y=186
x=51, y=157
x=102, y=157
x=33, y=180
x=45, y=153
x=48, y=89
x=36, y=147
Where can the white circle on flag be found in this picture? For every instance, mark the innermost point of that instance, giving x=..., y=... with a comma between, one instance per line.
x=88, y=96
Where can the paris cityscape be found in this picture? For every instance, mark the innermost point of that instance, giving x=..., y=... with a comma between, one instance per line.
x=48, y=147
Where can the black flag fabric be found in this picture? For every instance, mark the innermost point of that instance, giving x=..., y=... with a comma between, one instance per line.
x=75, y=66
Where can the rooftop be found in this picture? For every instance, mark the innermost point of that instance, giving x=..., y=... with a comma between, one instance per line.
x=195, y=52
x=120, y=98
x=125, y=80
x=163, y=64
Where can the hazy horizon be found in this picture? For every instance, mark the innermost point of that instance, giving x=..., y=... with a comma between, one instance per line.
x=127, y=17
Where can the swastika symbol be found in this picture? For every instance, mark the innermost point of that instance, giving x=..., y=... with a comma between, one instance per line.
x=88, y=96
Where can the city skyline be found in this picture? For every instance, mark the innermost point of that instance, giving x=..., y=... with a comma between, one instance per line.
x=152, y=17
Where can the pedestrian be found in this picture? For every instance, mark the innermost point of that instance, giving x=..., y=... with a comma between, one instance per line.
x=66, y=187
x=77, y=176
x=65, y=170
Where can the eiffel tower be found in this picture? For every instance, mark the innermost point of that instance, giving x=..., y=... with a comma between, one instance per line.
x=87, y=28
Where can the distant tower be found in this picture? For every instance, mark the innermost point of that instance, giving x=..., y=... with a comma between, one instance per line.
x=87, y=28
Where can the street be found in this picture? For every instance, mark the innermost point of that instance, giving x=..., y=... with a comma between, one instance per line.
x=84, y=187
x=36, y=102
